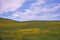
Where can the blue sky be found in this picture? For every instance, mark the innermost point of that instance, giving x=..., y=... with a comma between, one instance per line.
x=24, y=10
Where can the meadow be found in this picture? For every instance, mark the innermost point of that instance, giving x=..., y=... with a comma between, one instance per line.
x=29, y=30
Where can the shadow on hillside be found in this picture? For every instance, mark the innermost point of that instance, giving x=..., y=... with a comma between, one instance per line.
x=0, y=38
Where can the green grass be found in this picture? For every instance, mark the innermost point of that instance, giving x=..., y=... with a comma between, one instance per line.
x=29, y=30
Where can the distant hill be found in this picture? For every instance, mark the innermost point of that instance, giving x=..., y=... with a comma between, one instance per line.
x=9, y=23
x=29, y=30
x=35, y=23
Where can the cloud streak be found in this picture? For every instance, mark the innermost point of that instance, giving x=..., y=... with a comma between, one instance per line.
x=10, y=5
x=35, y=12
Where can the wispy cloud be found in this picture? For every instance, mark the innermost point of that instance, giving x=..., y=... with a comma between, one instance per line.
x=36, y=11
x=10, y=5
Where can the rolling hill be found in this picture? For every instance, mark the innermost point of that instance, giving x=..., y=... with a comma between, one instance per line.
x=29, y=30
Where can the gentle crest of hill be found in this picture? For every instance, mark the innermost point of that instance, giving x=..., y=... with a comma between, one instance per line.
x=10, y=23
x=28, y=24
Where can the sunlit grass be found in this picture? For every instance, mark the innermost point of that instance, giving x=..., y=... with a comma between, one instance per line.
x=29, y=30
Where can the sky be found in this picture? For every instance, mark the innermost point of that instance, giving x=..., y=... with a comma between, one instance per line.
x=25, y=10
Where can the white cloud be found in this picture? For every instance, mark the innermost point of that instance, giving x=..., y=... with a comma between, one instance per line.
x=56, y=7
x=36, y=4
x=10, y=5
x=30, y=14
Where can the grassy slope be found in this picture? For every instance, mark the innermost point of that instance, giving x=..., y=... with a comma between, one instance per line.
x=29, y=30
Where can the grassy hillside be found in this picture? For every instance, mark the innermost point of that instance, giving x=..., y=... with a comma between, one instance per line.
x=29, y=30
